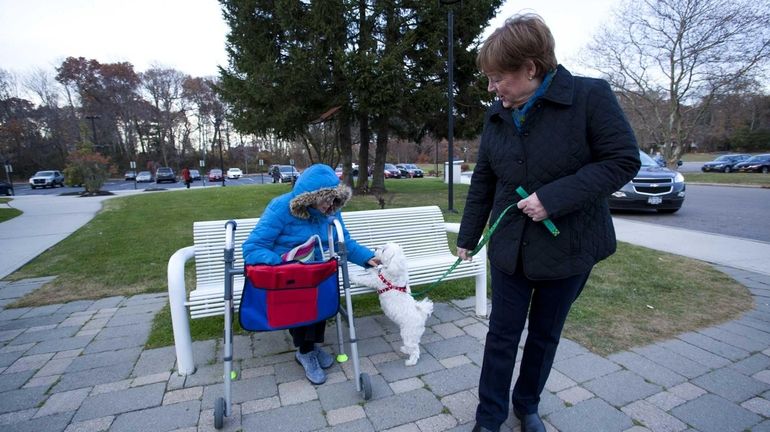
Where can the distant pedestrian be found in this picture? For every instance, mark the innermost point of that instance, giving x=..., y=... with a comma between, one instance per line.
x=186, y=177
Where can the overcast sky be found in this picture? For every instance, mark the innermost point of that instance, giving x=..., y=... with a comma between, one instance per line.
x=189, y=35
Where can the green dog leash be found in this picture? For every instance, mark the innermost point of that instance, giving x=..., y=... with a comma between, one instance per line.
x=485, y=239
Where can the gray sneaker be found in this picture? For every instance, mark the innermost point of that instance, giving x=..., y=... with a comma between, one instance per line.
x=313, y=370
x=324, y=358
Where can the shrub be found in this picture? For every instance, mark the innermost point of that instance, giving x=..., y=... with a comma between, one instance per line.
x=87, y=168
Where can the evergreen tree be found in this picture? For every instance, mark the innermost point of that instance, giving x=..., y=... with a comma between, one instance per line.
x=379, y=65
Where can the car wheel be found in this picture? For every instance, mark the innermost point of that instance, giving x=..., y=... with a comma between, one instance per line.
x=728, y=169
x=764, y=170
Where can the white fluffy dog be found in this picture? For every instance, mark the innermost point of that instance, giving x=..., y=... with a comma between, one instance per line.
x=391, y=279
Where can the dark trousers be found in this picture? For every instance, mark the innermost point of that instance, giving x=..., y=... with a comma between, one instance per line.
x=306, y=336
x=548, y=302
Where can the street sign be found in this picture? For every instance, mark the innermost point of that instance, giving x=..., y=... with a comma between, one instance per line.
x=291, y=162
x=132, y=164
x=202, y=163
x=261, y=162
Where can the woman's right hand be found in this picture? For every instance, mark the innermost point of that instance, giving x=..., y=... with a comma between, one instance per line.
x=464, y=254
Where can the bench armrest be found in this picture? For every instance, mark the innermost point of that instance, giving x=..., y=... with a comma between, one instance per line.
x=176, y=299
x=452, y=227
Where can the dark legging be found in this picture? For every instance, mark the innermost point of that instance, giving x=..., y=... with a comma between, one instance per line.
x=548, y=302
x=306, y=336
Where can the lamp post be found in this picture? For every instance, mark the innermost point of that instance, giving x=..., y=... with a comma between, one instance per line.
x=450, y=97
x=93, y=119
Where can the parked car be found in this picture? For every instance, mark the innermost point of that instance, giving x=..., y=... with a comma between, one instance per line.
x=165, y=174
x=758, y=163
x=412, y=170
x=215, y=174
x=354, y=171
x=391, y=171
x=45, y=179
x=130, y=175
x=654, y=187
x=724, y=163
x=195, y=174
x=234, y=173
x=144, y=177
x=6, y=188
x=283, y=173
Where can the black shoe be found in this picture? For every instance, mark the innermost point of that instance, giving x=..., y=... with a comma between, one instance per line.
x=478, y=428
x=530, y=422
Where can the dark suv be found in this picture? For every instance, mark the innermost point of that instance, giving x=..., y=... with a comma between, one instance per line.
x=654, y=188
x=165, y=174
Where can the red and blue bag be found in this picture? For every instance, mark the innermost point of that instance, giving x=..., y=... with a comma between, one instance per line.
x=287, y=295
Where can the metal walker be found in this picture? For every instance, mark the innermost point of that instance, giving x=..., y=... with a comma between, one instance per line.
x=222, y=406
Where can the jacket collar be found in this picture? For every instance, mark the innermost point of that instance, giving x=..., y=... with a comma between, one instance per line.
x=560, y=91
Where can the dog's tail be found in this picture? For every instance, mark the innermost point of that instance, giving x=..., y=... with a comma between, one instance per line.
x=425, y=306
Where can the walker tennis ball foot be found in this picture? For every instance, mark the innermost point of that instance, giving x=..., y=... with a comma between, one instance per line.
x=342, y=358
x=233, y=375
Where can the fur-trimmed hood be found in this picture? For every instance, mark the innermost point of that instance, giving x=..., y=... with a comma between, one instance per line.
x=316, y=184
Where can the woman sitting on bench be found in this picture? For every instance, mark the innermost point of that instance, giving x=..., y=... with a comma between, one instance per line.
x=290, y=220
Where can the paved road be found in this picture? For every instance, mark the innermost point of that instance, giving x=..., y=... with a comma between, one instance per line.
x=122, y=185
x=736, y=211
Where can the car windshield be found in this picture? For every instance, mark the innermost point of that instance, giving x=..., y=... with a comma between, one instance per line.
x=410, y=166
x=216, y=171
x=724, y=158
x=144, y=173
x=647, y=160
x=758, y=158
x=390, y=167
x=287, y=169
x=43, y=173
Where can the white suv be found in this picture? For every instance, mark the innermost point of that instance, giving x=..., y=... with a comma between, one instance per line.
x=45, y=179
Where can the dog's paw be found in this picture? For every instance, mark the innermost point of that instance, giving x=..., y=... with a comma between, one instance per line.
x=412, y=360
x=405, y=350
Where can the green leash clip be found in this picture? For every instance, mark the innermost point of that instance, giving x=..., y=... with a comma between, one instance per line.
x=548, y=224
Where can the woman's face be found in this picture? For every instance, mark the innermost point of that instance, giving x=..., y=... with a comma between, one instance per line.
x=513, y=88
x=323, y=206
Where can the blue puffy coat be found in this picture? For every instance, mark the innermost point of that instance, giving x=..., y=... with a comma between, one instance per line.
x=289, y=220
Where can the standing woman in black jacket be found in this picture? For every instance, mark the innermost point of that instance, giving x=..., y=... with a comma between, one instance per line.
x=565, y=140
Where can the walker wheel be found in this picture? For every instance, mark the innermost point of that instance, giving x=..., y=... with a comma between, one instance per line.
x=366, y=385
x=219, y=413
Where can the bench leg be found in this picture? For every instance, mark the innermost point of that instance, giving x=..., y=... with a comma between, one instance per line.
x=179, y=318
x=481, y=284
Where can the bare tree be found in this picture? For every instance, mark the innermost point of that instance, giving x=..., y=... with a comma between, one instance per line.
x=668, y=59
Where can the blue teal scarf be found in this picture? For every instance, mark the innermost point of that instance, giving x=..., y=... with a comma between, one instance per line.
x=519, y=115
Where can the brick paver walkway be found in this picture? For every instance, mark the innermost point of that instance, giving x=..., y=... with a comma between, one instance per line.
x=81, y=366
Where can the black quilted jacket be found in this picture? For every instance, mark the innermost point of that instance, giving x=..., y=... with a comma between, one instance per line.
x=575, y=149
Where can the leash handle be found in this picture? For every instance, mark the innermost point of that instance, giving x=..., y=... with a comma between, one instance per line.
x=547, y=222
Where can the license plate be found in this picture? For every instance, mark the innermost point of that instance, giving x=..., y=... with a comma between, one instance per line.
x=654, y=200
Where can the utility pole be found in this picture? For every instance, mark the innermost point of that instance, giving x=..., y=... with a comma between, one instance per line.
x=450, y=97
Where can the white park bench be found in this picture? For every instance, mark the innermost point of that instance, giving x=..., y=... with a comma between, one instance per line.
x=421, y=232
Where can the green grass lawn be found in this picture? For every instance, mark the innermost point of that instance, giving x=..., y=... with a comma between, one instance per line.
x=6, y=212
x=753, y=179
x=637, y=296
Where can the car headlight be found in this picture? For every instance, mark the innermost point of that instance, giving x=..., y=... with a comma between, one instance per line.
x=679, y=178
x=619, y=194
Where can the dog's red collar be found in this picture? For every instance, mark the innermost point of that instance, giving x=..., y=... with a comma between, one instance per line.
x=388, y=285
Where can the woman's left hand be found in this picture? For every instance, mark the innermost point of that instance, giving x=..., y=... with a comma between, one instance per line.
x=532, y=207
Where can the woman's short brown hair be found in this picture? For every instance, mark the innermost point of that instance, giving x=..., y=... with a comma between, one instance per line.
x=522, y=37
